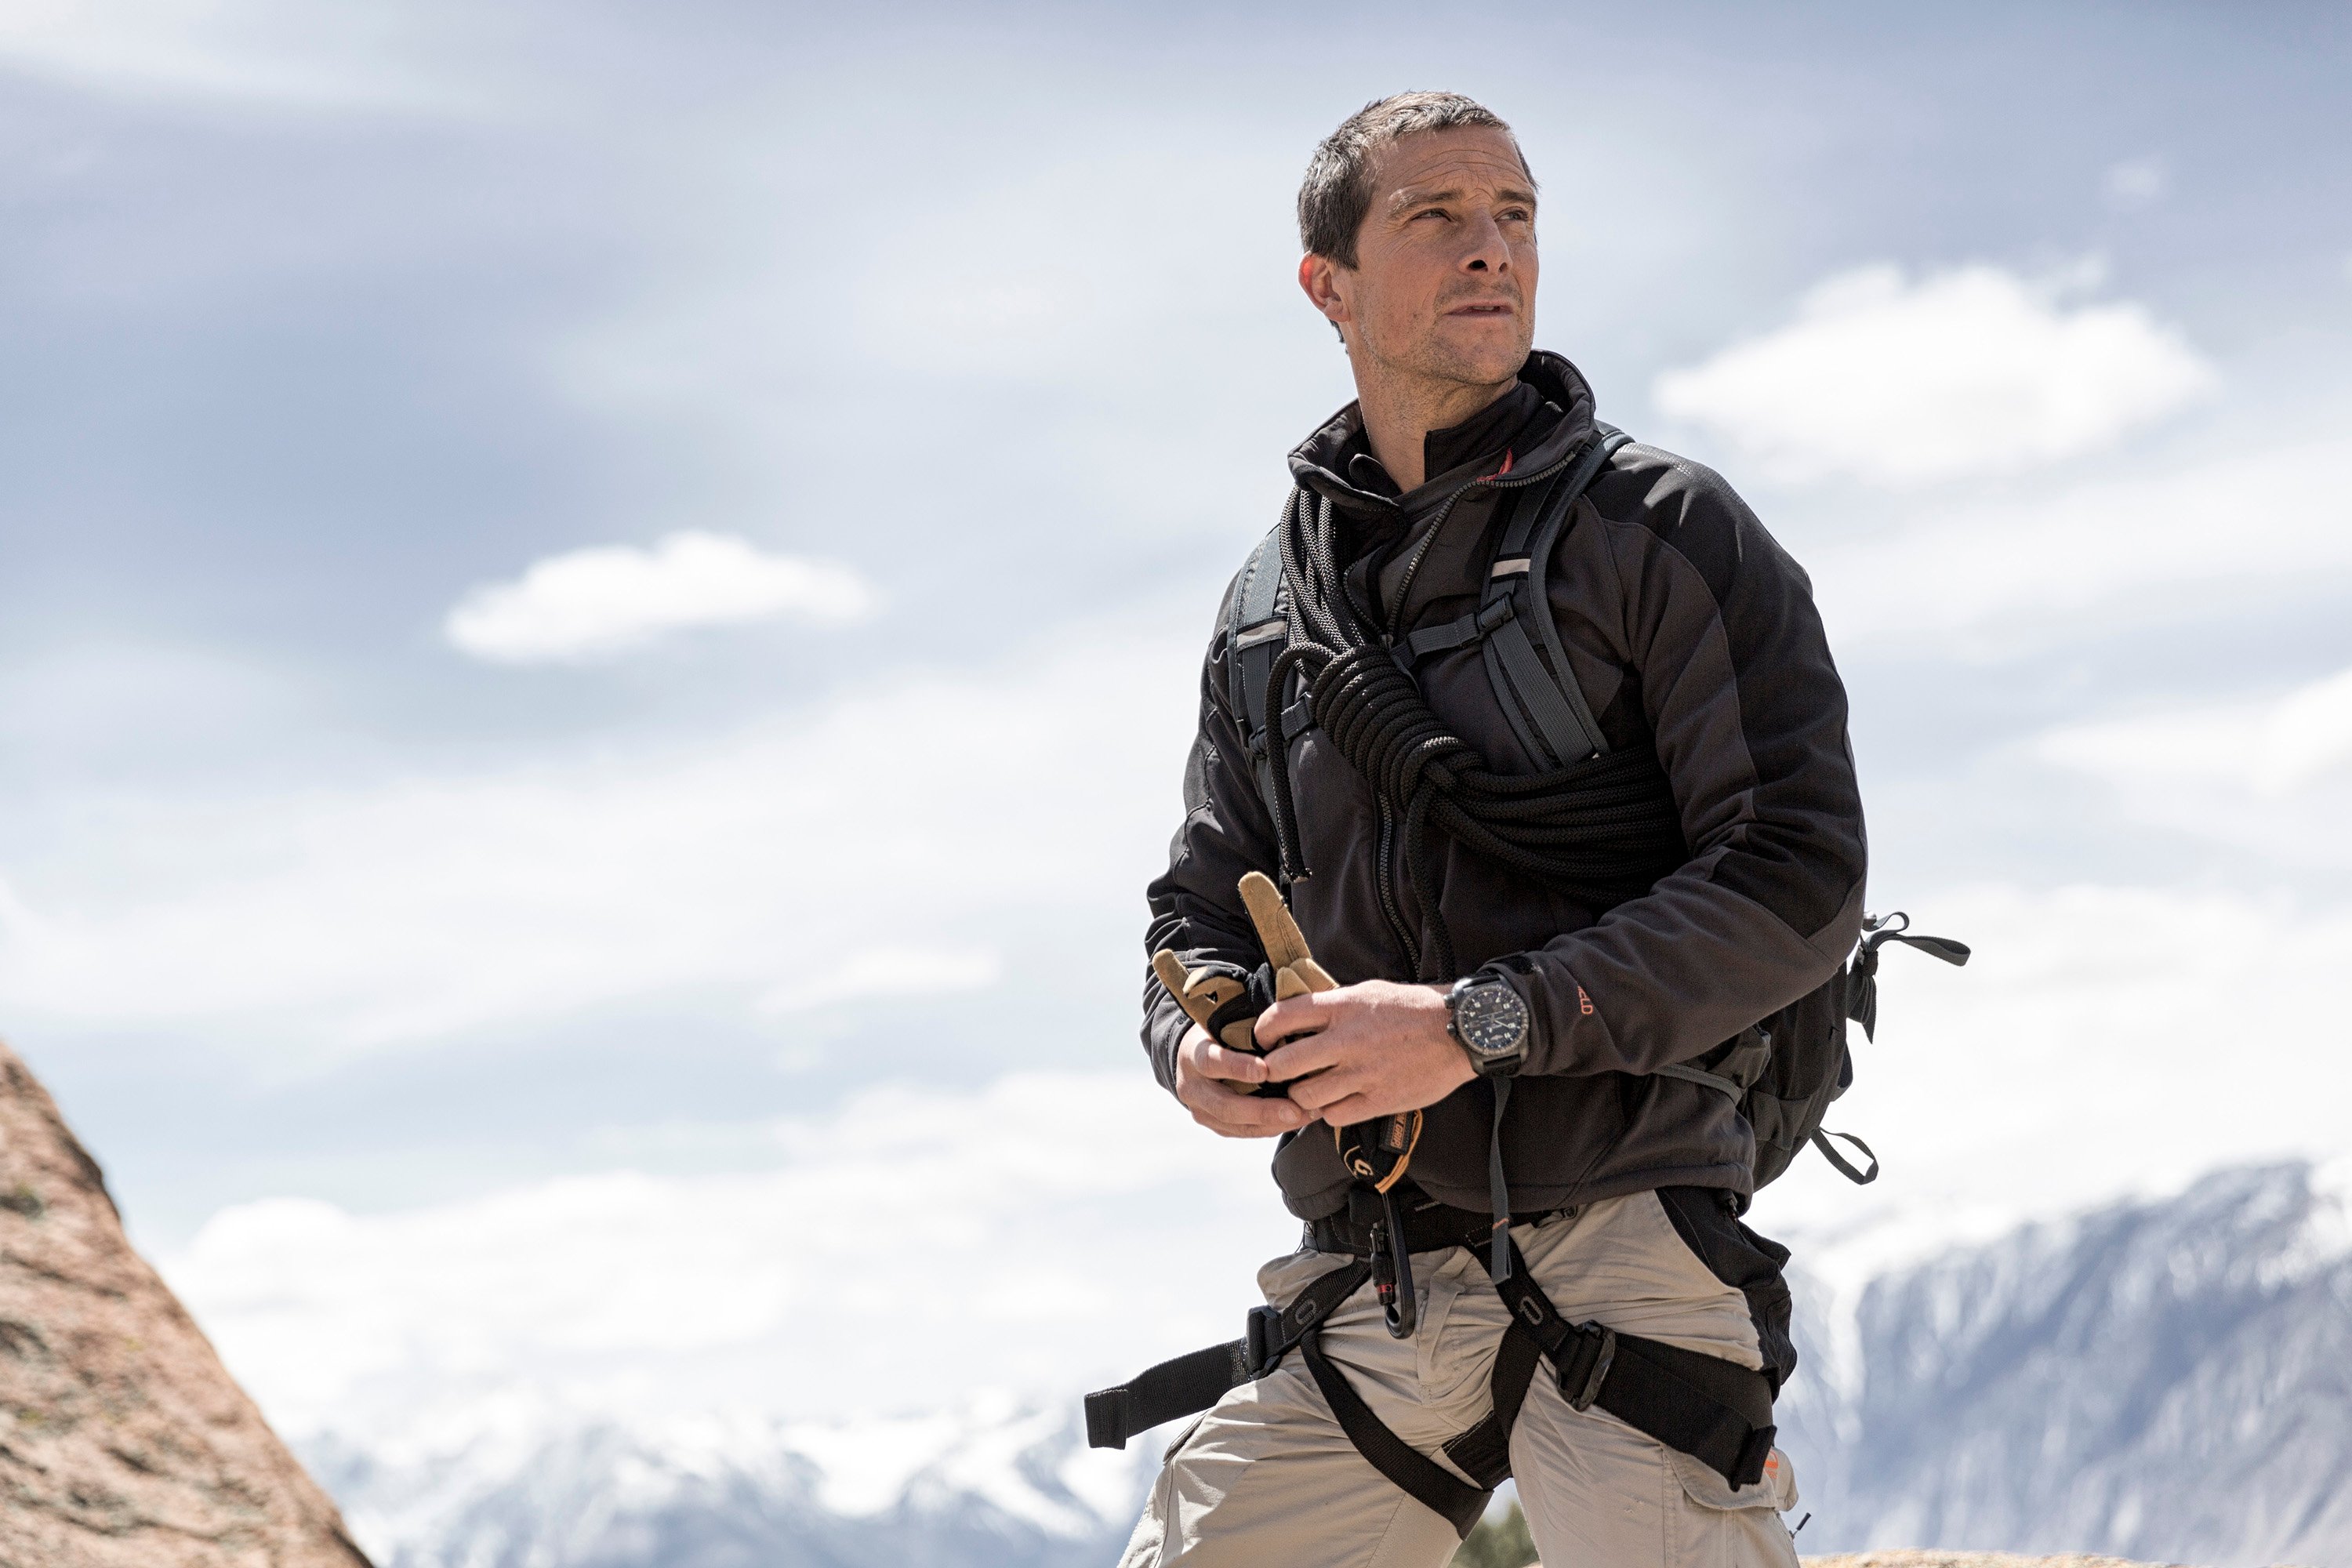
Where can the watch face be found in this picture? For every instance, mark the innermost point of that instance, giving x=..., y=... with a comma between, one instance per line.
x=1491, y=1019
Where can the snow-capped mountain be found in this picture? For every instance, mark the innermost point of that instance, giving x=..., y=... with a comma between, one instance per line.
x=2169, y=1379
x=996, y=1486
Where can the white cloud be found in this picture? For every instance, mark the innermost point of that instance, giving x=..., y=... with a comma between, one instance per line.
x=2272, y=749
x=2307, y=736
x=1016, y=1238
x=888, y=970
x=784, y=855
x=1971, y=372
x=611, y=598
x=2222, y=525
x=2271, y=775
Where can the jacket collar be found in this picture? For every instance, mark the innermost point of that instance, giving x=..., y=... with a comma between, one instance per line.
x=1539, y=422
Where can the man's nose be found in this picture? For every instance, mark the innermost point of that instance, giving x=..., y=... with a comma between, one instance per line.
x=1486, y=250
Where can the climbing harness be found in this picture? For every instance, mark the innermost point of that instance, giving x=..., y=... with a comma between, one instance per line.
x=1714, y=1410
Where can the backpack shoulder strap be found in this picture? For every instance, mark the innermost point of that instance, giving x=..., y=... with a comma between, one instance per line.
x=1257, y=631
x=1545, y=685
x=1541, y=698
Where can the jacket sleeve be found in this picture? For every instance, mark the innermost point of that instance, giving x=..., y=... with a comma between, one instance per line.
x=1735, y=684
x=1196, y=906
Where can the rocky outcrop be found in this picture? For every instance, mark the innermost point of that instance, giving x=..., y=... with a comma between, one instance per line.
x=123, y=1441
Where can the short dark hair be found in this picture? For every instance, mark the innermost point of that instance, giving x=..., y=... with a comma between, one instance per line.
x=1337, y=192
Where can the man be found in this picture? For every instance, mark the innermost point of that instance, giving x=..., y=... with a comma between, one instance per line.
x=1692, y=639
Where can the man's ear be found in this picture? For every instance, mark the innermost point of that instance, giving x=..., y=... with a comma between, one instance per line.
x=1318, y=277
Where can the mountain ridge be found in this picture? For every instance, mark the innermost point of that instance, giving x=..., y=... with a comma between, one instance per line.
x=2155, y=1378
x=2160, y=1379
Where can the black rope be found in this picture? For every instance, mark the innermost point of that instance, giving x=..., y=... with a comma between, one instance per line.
x=1603, y=830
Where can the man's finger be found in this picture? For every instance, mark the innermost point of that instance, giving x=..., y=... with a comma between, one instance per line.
x=1269, y=1125
x=1320, y=1091
x=1347, y=1113
x=1292, y=1016
x=1231, y=1066
x=1301, y=1055
x=1222, y=1109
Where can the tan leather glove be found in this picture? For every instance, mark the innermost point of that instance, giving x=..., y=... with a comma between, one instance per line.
x=1219, y=998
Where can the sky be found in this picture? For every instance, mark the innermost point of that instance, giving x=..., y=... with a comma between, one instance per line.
x=600, y=616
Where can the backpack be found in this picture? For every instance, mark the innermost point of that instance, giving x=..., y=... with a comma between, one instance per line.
x=1784, y=1070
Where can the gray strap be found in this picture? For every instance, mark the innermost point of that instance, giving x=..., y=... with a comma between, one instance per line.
x=1742, y=1065
x=1694, y=1075
x=1497, y=608
x=1256, y=635
x=1568, y=735
x=1540, y=553
x=1437, y=639
x=1253, y=638
x=1558, y=724
x=1821, y=1140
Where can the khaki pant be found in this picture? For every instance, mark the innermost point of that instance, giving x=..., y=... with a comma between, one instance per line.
x=1267, y=1478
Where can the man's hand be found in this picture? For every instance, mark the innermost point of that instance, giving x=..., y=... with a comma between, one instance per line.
x=1362, y=1051
x=1207, y=1075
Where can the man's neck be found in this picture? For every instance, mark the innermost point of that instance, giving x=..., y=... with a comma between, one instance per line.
x=1398, y=413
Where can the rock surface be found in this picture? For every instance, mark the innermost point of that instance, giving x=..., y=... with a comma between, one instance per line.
x=123, y=1441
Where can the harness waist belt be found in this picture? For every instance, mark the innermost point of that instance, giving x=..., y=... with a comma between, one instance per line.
x=1429, y=1226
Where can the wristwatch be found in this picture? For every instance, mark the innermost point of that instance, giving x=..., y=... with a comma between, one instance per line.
x=1488, y=1019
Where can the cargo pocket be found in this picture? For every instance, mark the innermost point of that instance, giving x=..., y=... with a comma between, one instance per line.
x=1727, y=1528
x=1705, y=1485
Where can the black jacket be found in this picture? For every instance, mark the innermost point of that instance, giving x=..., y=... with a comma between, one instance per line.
x=1691, y=632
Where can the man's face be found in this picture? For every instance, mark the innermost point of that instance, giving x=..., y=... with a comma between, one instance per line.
x=1445, y=280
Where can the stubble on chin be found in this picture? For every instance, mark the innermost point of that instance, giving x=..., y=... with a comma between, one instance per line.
x=1473, y=364
x=1429, y=356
